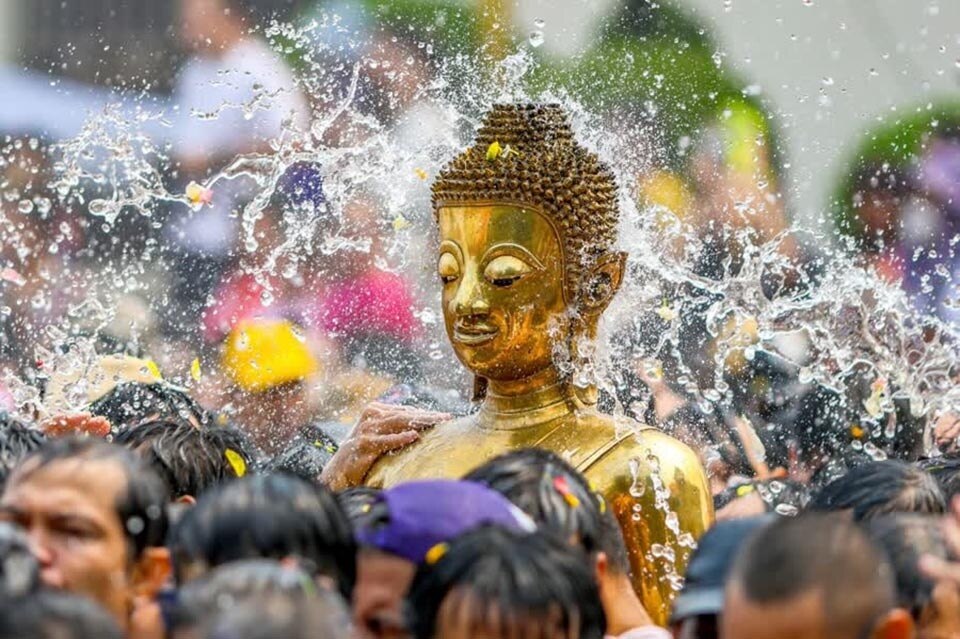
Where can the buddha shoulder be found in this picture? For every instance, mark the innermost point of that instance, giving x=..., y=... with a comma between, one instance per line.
x=638, y=452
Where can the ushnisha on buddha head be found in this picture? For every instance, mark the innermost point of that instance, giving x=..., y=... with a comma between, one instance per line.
x=528, y=222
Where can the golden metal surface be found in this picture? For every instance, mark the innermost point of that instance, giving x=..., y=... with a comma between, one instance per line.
x=508, y=317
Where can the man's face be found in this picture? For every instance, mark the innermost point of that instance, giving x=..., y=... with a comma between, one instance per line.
x=68, y=510
x=382, y=583
x=801, y=617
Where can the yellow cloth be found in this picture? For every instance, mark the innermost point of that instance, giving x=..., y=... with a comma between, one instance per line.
x=263, y=354
x=69, y=390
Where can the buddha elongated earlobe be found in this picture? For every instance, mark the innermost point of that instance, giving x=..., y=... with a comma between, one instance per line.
x=602, y=282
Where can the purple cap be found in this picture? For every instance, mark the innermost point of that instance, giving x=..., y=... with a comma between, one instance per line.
x=426, y=513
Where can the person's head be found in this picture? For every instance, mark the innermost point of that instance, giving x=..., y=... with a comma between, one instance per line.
x=190, y=460
x=528, y=220
x=816, y=576
x=495, y=584
x=905, y=539
x=878, y=488
x=357, y=502
x=49, y=614
x=878, y=193
x=268, y=366
x=96, y=518
x=559, y=500
x=214, y=25
x=133, y=403
x=17, y=440
x=946, y=471
x=270, y=517
x=697, y=609
x=258, y=598
x=406, y=525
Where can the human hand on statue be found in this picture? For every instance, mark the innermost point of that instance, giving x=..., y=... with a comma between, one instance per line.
x=945, y=598
x=382, y=428
x=946, y=432
x=75, y=424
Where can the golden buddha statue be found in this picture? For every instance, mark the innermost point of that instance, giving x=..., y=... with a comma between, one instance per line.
x=528, y=221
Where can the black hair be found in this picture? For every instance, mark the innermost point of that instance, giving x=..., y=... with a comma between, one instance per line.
x=132, y=403
x=141, y=503
x=905, y=538
x=306, y=455
x=17, y=440
x=357, y=501
x=219, y=593
x=190, y=460
x=512, y=577
x=881, y=487
x=816, y=552
x=543, y=485
x=267, y=516
x=946, y=472
x=19, y=571
x=51, y=614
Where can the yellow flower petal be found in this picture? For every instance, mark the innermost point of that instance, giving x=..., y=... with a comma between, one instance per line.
x=153, y=369
x=400, y=223
x=494, y=151
x=666, y=312
x=421, y=173
x=436, y=553
x=236, y=462
x=195, y=369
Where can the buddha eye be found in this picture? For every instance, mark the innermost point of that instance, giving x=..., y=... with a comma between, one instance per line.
x=448, y=268
x=504, y=270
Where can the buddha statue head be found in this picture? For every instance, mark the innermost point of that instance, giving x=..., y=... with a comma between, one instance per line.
x=528, y=222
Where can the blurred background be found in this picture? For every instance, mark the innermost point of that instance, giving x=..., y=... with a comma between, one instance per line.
x=828, y=69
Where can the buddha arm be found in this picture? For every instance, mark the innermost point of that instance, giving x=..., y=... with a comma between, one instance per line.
x=659, y=493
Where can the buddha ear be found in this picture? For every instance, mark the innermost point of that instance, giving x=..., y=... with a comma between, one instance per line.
x=603, y=281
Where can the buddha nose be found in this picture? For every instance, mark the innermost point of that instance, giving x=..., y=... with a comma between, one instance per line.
x=470, y=300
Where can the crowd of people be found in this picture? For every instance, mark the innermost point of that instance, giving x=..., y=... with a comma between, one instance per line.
x=147, y=516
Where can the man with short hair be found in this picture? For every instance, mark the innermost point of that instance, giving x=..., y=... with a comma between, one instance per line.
x=812, y=577
x=96, y=518
x=190, y=460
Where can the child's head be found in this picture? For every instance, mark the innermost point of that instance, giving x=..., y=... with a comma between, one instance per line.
x=493, y=584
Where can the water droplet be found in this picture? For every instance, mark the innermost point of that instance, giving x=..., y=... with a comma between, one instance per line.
x=787, y=510
x=135, y=525
x=25, y=206
x=536, y=38
x=827, y=81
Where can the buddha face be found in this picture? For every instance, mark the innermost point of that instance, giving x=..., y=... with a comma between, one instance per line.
x=503, y=297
